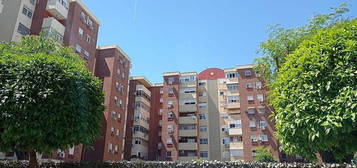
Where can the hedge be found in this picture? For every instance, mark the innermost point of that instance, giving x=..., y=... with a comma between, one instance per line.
x=193, y=164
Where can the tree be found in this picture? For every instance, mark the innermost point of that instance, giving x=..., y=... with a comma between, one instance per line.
x=48, y=100
x=283, y=42
x=314, y=95
x=264, y=155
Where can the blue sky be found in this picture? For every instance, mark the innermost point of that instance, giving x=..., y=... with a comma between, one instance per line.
x=192, y=35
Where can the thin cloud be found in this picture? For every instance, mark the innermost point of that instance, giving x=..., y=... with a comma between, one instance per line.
x=136, y=2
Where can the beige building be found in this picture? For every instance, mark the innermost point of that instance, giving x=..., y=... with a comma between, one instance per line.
x=16, y=18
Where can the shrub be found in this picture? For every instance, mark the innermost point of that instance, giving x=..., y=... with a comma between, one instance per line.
x=193, y=164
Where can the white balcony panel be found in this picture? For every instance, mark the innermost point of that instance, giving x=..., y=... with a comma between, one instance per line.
x=58, y=8
x=54, y=24
x=235, y=131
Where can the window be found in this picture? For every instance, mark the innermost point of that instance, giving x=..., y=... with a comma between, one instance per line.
x=169, y=140
x=249, y=85
x=225, y=129
x=201, y=83
x=170, y=129
x=232, y=75
x=80, y=31
x=33, y=2
x=27, y=12
x=203, y=141
x=260, y=97
x=225, y=141
x=188, y=90
x=117, y=133
x=224, y=115
x=203, y=116
x=254, y=153
x=113, y=130
x=23, y=30
x=235, y=124
x=188, y=102
x=89, y=23
x=253, y=138
x=170, y=115
x=221, y=93
x=185, y=79
x=110, y=148
x=89, y=38
x=232, y=87
x=118, y=71
x=264, y=138
x=258, y=85
x=262, y=124
x=252, y=124
x=261, y=109
x=161, y=90
x=116, y=148
x=168, y=154
x=78, y=48
x=248, y=73
x=250, y=98
x=86, y=55
x=170, y=104
x=232, y=99
x=236, y=152
x=202, y=105
x=171, y=91
x=83, y=17
x=203, y=128
x=137, y=142
x=251, y=110
x=204, y=154
x=171, y=80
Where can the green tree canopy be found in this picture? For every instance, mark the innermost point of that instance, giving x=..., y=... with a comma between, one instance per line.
x=315, y=94
x=284, y=41
x=264, y=155
x=48, y=99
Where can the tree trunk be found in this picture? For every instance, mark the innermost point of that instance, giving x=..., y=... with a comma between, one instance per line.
x=33, y=159
x=327, y=157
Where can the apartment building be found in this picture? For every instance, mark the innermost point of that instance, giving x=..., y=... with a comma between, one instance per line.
x=113, y=68
x=142, y=139
x=215, y=115
x=16, y=18
x=69, y=22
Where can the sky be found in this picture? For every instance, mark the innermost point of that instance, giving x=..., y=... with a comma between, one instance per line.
x=192, y=35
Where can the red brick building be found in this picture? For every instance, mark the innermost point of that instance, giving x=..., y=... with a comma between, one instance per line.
x=113, y=68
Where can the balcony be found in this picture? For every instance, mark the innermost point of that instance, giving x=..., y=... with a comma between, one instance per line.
x=143, y=100
x=188, y=84
x=235, y=131
x=236, y=145
x=232, y=105
x=188, y=133
x=53, y=28
x=58, y=8
x=188, y=120
x=188, y=146
x=187, y=158
x=138, y=134
x=188, y=108
x=187, y=95
x=141, y=123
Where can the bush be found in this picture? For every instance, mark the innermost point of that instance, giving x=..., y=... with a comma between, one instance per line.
x=264, y=155
x=193, y=164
